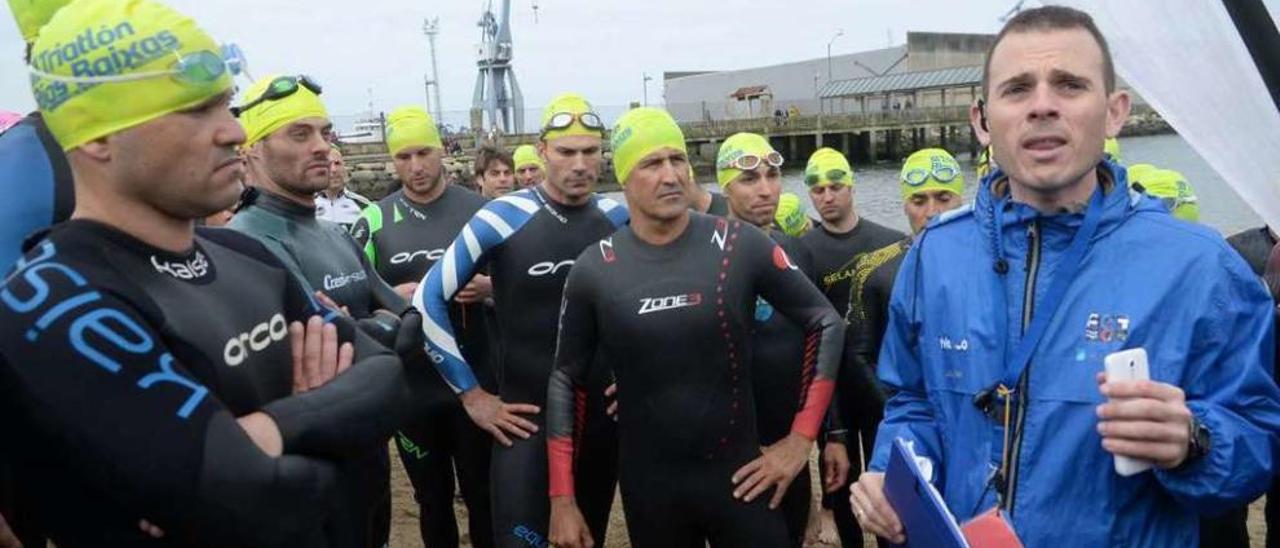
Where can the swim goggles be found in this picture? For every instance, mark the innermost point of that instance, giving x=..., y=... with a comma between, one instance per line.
x=196, y=68
x=748, y=162
x=278, y=89
x=562, y=120
x=1173, y=202
x=834, y=176
x=943, y=172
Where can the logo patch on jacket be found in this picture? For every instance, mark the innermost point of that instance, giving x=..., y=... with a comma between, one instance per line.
x=1105, y=328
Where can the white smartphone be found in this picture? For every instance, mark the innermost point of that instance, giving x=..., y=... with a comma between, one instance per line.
x=1128, y=365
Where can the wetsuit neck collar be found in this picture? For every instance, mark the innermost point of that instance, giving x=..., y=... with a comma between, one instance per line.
x=285, y=207
x=128, y=241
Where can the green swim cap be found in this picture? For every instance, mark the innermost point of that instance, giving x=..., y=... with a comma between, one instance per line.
x=1112, y=147
x=790, y=215
x=828, y=167
x=1171, y=188
x=931, y=169
x=639, y=133
x=411, y=127
x=743, y=147
x=575, y=105
x=33, y=14
x=268, y=116
x=103, y=66
x=527, y=155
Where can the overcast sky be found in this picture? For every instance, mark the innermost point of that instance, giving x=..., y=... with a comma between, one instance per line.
x=600, y=48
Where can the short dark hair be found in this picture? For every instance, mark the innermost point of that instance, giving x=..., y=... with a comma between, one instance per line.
x=488, y=154
x=1049, y=18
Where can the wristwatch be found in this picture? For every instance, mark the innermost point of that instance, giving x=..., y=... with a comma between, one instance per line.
x=1199, y=442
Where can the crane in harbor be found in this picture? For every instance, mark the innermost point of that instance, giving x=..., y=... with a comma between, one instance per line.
x=497, y=99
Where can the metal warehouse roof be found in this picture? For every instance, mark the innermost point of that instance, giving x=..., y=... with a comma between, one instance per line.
x=905, y=81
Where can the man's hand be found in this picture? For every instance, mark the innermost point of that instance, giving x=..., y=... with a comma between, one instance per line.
x=7, y=538
x=835, y=463
x=406, y=290
x=568, y=528
x=329, y=303
x=612, y=410
x=264, y=432
x=479, y=289
x=317, y=356
x=873, y=510
x=1145, y=420
x=497, y=417
x=777, y=466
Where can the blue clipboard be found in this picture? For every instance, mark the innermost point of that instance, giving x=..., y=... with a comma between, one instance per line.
x=924, y=515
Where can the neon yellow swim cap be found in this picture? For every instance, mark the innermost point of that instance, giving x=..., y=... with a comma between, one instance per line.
x=790, y=215
x=268, y=116
x=103, y=66
x=931, y=169
x=639, y=133
x=1112, y=147
x=33, y=14
x=984, y=163
x=828, y=166
x=737, y=147
x=526, y=155
x=411, y=126
x=575, y=105
x=1171, y=188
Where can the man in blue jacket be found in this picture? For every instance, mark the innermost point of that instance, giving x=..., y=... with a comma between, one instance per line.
x=1003, y=313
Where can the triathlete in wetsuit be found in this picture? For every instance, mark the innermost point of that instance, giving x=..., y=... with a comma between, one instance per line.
x=837, y=242
x=402, y=236
x=669, y=304
x=287, y=148
x=779, y=343
x=529, y=240
x=147, y=371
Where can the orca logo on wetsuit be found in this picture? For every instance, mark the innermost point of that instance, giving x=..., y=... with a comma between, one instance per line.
x=338, y=282
x=408, y=257
x=196, y=267
x=257, y=339
x=659, y=304
x=548, y=267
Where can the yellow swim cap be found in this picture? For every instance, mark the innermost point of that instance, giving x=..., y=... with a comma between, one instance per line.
x=103, y=66
x=527, y=155
x=411, y=126
x=984, y=162
x=33, y=14
x=1171, y=188
x=639, y=133
x=579, y=109
x=790, y=215
x=1112, y=147
x=828, y=167
x=931, y=169
x=741, y=147
x=266, y=117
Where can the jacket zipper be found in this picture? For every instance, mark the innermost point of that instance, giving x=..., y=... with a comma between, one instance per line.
x=1028, y=306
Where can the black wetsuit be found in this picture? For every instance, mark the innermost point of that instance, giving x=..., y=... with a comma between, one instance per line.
x=123, y=368
x=778, y=346
x=39, y=193
x=719, y=205
x=675, y=323
x=834, y=257
x=1255, y=246
x=326, y=258
x=529, y=244
x=402, y=239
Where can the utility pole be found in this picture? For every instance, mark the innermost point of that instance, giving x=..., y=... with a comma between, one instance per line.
x=431, y=27
x=646, y=88
x=839, y=33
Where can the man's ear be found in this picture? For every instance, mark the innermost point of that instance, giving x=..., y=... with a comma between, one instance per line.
x=978, y=120
x=1118, y=106
x=98, y=149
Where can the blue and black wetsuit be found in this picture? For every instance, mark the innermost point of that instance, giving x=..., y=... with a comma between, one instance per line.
x=675, y=323
x=39, y=192
x=123, y=368
x=529, y=242
x=402, y=239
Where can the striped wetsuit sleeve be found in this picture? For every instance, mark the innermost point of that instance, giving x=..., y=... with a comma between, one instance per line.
x=790, y=291
x=615, y=211
x=369, y=223
x=492, y=225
